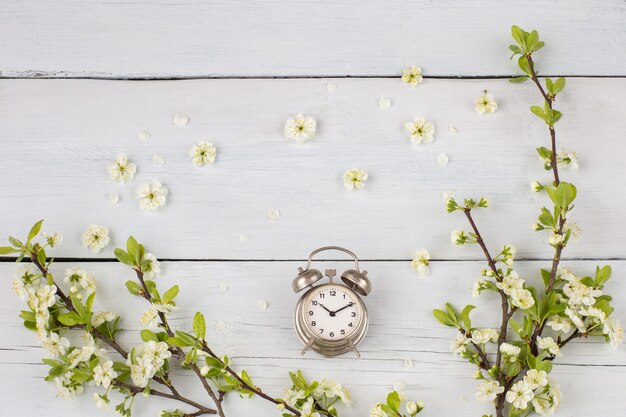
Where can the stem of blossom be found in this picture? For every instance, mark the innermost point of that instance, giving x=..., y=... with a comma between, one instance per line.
x=216, y=399
x=484, y=360
x=136, y=390
x=506, y=314
x=249, y=387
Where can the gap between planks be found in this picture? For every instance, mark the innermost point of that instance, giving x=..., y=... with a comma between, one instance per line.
x=53, y=75
x=79, y=259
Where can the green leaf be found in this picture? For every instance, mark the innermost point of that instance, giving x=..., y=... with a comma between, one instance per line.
x=123, y=257
x=191, y=356
x=524, y=65
x=565, y=194
x=199, y=326
x=603, y=274
x=519, y=80
x=89, y=301
x=132, y=247
x=133, y=287
x=546, y=218
x=34, y=231
x=5, y=250
x=16, y=242
x=558, y=86
x=518, y=35
x=393, y=401
x=176, y=341
x=186, y=338
x=538, y=111
x=41, y=256
x=170, y=295
x=452, y=313
x=442, y=317
x=465, y=318
x=147, y=335
x=69, y=319
x=214, y=362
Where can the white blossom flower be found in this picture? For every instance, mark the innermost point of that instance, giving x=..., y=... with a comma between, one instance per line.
x=522, y=298
x=412, y=75
x=308, y=407
x=519, y=395
x=488, y=390
x=614, y=330
x=103, y=374
x=354, y=178
x=576, y=232
x=411, y=407
x=377, y=411
x=560, y=324
x=152, y=196
x=202, y=153
x=556, y=239
x=459, y=237
x=42, y=298
x=510, y=351
x=330, y=389
x=508, y=254
x=54, y=344
x=300, y=128
x=53, y=239
x=421, y=262
x=102, y=317
x=536, y=186
x=478, y=287
x=83, y=353
x=536, y=379
x=457, y=345
x=79, y=279
x=292, y=396
x=580, y=294
x=549, y=344
x=420, y=130
x=485, y=103
x=141, y=372
x=156, y=353
x=66, y=388
x=102, y=401
x=575, y=318
x=152, y=266
x=567, y=158
x=481, y=336
x=149, y=319
x=510, y=283
x=400, y=388
x=122, y=170
x=547, y=403
x=96, y=237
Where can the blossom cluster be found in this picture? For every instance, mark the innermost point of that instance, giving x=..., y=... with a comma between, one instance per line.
x=311, y=398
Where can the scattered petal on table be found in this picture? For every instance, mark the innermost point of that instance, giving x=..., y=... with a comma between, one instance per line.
x=224, y=287
x=442, y=159
x=158, y=159
x=143, y=135
x=331, y=87
x=453, y=130
x=181, y=120
x=220, y=326
x=114, y=198
x=408, y=363
x=262, y=305
x=273, y=214
x=384, y=103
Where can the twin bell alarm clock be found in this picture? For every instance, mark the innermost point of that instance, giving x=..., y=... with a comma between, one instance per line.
x=331, y=318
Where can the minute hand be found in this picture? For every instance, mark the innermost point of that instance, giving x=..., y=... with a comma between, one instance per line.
x=344, y=307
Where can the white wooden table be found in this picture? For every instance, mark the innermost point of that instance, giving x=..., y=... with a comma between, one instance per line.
x=239, y=70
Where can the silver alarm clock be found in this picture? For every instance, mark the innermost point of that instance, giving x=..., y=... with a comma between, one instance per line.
x=331, y=318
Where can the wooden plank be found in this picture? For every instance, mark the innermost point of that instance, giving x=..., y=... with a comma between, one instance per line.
x=71, y=38
x=58, y=138
x=265, y=344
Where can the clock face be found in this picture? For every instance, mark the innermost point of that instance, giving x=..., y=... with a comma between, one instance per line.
x=332, y=312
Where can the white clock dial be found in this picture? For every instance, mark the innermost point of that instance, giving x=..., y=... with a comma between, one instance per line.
x=332, y=312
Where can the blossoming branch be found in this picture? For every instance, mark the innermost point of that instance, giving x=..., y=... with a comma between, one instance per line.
x=544, y=320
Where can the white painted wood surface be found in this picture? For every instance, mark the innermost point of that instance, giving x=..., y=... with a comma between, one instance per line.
x=57, y=138
x=265, y=343
x=60, y=136
x=302, y=38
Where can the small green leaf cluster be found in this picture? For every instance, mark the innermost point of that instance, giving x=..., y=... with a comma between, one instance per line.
x=313, y=397
x=526, y=44
x=392, y=407
x=469, y=203
x=547, y=114
x=29, y=249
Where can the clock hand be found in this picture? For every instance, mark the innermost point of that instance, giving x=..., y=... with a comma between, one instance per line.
x=343, y=308
x=332, y=313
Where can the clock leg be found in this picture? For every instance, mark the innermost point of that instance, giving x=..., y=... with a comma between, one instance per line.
x=358, y=355
x=307, y=347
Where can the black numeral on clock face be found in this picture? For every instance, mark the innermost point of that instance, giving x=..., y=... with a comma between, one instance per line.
x=332, y=334
x=350, y=325
x=333, y=293
x=353, y=314
x=311, y=313
x=313, y=323
x=343, y=331
x=322, y=295
x=314, y=303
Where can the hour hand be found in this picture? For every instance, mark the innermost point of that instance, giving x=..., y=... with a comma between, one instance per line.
x=332, y=313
